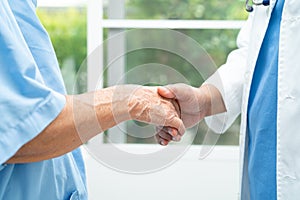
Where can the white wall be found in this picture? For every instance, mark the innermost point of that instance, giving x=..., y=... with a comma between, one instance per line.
x=214, y=178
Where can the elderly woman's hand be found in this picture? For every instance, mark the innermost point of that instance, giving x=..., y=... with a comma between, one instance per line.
x=142, y=103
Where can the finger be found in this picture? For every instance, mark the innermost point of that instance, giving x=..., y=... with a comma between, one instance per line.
x=171, y=131
x=164, y=142
x=177, y=107
x=163, y=132
x=180, y=90
x=177, y=123
x=161, y=141
x=165, y=92
x=165, y=135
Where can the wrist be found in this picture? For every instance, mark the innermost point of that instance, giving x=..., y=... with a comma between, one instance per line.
x=204, y=100
x=120, y=97
x=213, y=100
x=110, y=106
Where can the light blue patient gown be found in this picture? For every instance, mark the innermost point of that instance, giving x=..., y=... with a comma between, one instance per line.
x=31, y=96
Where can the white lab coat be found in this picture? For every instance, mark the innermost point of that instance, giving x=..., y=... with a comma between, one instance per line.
x=234, y=79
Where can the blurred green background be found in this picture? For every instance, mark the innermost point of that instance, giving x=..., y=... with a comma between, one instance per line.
x=67, y=28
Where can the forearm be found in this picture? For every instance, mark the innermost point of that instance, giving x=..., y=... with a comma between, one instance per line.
x=75, y=125
x=86, y=115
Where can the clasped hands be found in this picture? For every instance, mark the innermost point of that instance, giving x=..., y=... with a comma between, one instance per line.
x=193, y=105
x=172, y=108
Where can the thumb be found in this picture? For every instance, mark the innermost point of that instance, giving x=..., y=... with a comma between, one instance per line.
x=165, y=92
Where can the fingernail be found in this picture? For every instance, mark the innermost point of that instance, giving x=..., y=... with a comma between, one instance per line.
x=176, y=138
x=162, y=143
x=172, y=132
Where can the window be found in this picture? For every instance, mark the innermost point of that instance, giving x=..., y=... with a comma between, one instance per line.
x=213, y=24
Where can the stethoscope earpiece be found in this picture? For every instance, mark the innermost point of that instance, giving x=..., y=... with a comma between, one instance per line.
x=249, y=8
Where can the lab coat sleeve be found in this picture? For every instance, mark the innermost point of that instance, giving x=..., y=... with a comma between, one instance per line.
x=229, y=79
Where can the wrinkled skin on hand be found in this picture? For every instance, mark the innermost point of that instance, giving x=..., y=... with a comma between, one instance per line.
x=146, y=105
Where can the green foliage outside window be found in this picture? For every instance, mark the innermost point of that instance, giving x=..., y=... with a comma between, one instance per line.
x=67, y=29
x=186, y=9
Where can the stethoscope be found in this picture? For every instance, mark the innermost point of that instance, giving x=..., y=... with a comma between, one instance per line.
x=249, y=8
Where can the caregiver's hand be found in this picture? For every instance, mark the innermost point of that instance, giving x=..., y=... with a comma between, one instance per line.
x=194, y=104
